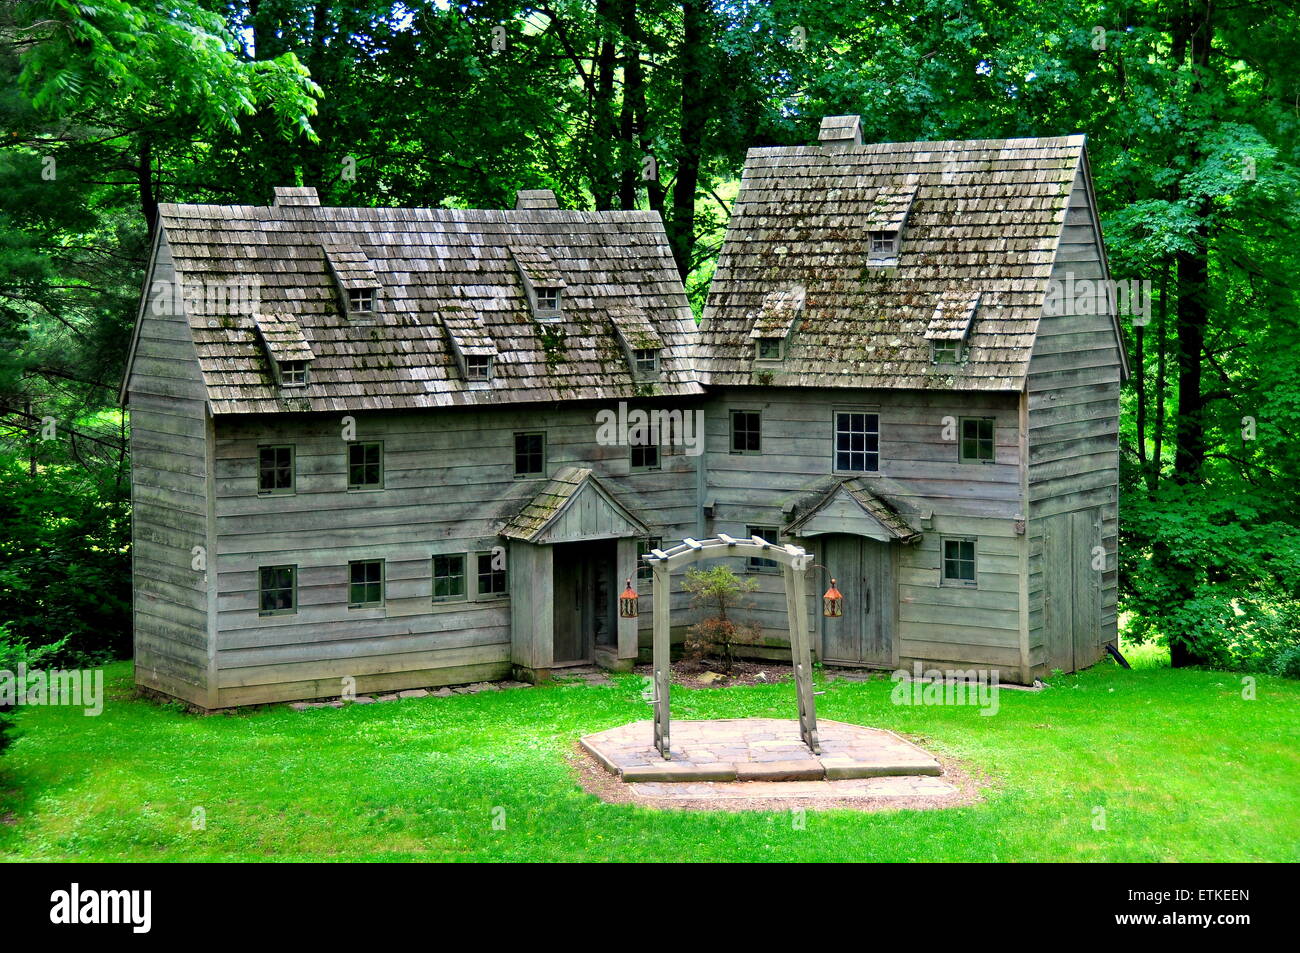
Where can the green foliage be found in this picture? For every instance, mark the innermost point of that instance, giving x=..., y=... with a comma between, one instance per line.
x=14, y=653
x=720, y=590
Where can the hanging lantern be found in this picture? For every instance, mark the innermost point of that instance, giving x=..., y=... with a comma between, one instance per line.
x=628, y=602
x=833, y=602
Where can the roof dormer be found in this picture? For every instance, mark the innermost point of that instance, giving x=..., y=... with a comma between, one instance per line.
x=840, y=132
x=472, y=348
x=773, y=322
x=356, y=284
x=951, y=324
x=543, y=283
x=640, y=342
x=535, y=198
x=286, y=348
x=885, y=223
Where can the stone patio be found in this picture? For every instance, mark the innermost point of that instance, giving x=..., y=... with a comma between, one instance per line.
x=757, y=749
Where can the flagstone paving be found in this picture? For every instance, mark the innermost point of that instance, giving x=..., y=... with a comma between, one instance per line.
x=757, y=750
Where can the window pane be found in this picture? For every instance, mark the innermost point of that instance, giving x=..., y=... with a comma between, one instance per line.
x=758, y=564
x=529, y=454
x=448, y=577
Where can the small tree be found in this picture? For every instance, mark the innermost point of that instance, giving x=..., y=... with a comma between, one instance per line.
x=719, y=589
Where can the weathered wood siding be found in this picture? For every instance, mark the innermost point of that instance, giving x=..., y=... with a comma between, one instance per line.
x=919, y=469
x=170, y=485
x=449, y=485
x=1073, y=468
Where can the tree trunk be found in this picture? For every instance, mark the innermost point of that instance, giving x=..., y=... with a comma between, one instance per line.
x=145, y=184
x=695, y=100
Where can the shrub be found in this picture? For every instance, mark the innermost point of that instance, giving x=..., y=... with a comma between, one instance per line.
x=1287, y=662
x=719, y=589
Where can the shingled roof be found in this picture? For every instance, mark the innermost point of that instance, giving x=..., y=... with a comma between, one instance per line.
x=433, y=268
x=982, y=217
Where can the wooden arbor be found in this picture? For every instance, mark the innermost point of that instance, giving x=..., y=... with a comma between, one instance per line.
x=794, y=565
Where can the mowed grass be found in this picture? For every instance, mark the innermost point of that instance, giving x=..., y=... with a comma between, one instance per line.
x=1183, y=767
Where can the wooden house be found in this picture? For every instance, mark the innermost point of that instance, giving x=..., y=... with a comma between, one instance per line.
x=367, y=451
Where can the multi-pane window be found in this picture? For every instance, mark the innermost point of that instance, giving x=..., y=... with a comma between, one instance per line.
x=293, y=373
x=959, y=562
x=361, y=300
x=277, y=590
x=365, y=466
x=884, y=244
x=548, y=299
x=769, y=349
x=365, y=583
x=530, y=454
x=643, y=548
x=945, y=352
x=645, y=457
x=977, y=439
x=646, y=360
x=491, y=575
x=449, y=578
x=757, y=563
x=478, y=367
x=746, y=431
x=275, y=469
x=857, y=442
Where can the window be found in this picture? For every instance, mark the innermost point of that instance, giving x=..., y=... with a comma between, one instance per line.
x=757, y=563
x=643, y=547
x=365, y=466
x=365, y=583
x=646, y=360
x=945, y=352
x=449, y=578
x=491, y=581
x=857, y=442
x=361, y=300
x=746, y=431
x=977, y=440
x=278, y=590
x=959, y=562
x=478, y=367
x=884, y=244
x=769, y=349
x=645, y=457
x=548, y=299
x=530, y=454
x=293, y=373
x=274, y=470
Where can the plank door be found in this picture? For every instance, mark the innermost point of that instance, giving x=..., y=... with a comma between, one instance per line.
x=862, y=568
x=570, y=631
x=1071, y=589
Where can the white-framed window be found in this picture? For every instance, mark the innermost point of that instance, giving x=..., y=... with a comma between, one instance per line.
x=646, y=361
x=769, y=349
x=945, y=352
x=548, y=299
x=857, y=441
x=478, y=367
x=883, y=244
x=957, y=561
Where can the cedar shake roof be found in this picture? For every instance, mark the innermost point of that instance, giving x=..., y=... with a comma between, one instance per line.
x=953, y=316
x=441, y=273
x=560, y=492
x=981, y=217
x=858, y=490
x=283, y=337
x=778, y=312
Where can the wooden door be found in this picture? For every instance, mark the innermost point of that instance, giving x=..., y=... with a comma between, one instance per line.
x=1071, y=589
x=862, y=568
x=570, y=630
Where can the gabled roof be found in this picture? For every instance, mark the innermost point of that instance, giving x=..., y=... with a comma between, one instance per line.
x=427, y=261
x=572, y=506
x=282, y=337
x=849, y=506
x=983, y=216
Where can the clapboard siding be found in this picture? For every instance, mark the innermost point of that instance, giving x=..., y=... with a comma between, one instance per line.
x=1073, y=432
x=449, y=486
x=919, y=471
x=169, y=502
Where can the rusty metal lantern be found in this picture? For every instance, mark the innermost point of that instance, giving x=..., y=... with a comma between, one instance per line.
x=628, y=602
x=833, y=602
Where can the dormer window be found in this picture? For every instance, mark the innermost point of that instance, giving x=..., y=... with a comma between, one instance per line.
x=293, y=374
x=478, y=367
x=949, y=329
x=361, y=300
x=471, y=346
x=646, y=360
x=884, y=244
x=945, y=352
x=548, y=300
x=769, y=349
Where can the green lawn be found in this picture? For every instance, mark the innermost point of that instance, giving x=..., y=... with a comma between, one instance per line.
x=1184, y=767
